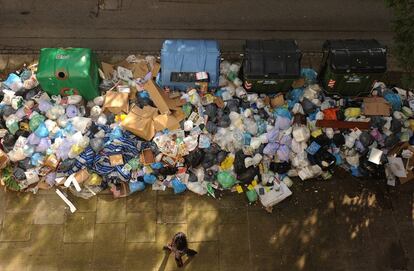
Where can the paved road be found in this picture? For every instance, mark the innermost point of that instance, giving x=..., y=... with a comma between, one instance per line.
x=127, y=25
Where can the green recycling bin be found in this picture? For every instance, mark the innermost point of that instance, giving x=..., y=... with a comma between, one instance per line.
x=351, y=67
x=270, y=66
x=68, y=71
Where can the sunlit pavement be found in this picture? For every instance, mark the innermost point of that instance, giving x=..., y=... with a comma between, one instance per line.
x=340, y=224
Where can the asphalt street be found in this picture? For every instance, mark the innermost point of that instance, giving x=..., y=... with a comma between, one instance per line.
x=127, y=25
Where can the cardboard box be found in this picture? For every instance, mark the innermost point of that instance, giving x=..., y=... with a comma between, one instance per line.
x=139, y=122
x=376, y=106
x=116, y=102
x=157, y=98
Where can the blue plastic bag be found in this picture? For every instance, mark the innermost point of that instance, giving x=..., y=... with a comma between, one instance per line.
x=178, y=186
x=309, y=74
x=136, y=186
x=150, y=179
x=394, y=99
x=282, y=112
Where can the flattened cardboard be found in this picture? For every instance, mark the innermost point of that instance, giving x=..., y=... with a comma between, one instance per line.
x=376, y=106
x=278, y=100
x=179, y=114
x=138, y=125
x=116, y=102
x=165, y=121
x=155, y=69
x=108, y=70
x=156, y=97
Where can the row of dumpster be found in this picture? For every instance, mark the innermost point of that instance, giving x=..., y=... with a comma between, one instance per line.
x=349, y=67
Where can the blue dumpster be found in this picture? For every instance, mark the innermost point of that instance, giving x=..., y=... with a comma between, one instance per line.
x=186, y=62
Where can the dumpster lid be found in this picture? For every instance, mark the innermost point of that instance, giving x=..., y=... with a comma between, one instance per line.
x=191, y=46
x=356, y=55
x=271, y=57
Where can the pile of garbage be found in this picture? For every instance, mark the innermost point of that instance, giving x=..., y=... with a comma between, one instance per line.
x=137, y=136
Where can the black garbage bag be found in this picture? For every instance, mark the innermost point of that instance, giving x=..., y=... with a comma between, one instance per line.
x=369, y=169
x=194, y=158
x=19, y=174
x=366, y=139
x=221, y=155
x=224, y=121
x=378, y=122
x=396, y=125
x=338, y=139
x=308, y=106
x=239, y=162
x=325, y=159
x=22, y=133
x=323, y=141
x=232, y=105
x=209, y=175
x=66, y=165
x=7, y=110
x=211, y=111
x=391, y=140
x=209, y=160
x=248, y=175
x=214, y=148
x=211, y=127
x=166, y=171
x=280, y=168
x=25, y=163
x=8, y=142
x=31, y=93
x=245, y=104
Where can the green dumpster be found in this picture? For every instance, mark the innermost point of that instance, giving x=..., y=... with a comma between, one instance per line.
x=68, y=71
x=351, y=67
x=270, y=66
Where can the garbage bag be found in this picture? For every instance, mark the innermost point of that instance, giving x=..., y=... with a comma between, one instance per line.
x=225, y=179
x=251, y=195
x=239, y=162
x=178, y=186
x=136, y=186
x=248, y=175
x=281, y=168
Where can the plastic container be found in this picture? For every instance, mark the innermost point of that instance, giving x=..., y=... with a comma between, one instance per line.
x=182, y=59
x=68, y=71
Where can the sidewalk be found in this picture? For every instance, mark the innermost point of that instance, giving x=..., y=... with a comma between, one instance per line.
x=341, y=224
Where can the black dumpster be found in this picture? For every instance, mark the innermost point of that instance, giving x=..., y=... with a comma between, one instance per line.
x=270, y=66
x=351, y=67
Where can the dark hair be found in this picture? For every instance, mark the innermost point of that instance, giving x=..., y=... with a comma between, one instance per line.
x=180, y=241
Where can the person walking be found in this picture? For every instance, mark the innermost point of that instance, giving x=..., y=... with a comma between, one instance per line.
x=179, y=247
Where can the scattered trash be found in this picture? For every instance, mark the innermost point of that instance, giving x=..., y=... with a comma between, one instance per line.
x=133, y=135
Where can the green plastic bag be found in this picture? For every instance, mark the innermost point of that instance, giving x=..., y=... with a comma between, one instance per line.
x=251, y=195
x=226, y=179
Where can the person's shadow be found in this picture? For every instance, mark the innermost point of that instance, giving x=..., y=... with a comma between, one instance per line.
x=165, y=260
